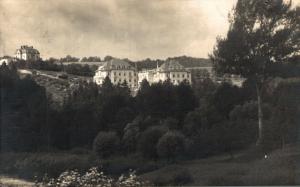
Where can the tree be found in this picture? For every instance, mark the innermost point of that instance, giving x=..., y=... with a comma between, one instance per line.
x=171, y=145
x=106, y=144
x=185, y=99
x=148, y=141
x=263, y=36
x=226, y=97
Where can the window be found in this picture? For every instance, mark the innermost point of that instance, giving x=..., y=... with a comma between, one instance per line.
x=183, y=75
x=129, y=73
x=178, y=75
x=119, y=74
x=129, y=80
x=173, y=75
x=115, y=73
x=124, y=73
x=187, y=75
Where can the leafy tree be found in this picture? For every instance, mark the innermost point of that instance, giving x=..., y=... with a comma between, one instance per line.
x=226, y=97
x=69, y=58
x=185, y=99
x=91, y=59
x=171, y=123
x=285, y=115
x=106, y=144
x=130, y=137
x=23, y=112
x=108, y=58
x=148, y=141
x=171, y=145
x=263, y=36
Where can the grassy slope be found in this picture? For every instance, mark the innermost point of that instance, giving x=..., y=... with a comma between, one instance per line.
x=279, y=168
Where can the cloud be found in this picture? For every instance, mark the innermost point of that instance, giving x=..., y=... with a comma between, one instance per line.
x=132, y=29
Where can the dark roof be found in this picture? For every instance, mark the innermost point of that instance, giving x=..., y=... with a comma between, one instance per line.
x=171, y=65
x=116, y=64
x=28, y=49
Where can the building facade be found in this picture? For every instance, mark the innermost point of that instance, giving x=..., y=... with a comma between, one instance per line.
x=27, y=53
x=171, y=70
x=118, y=71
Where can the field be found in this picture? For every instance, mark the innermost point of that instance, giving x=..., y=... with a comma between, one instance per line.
x=276, y=168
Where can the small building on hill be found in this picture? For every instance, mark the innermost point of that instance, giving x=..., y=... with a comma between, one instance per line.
x=27, y=53
x=118, y=71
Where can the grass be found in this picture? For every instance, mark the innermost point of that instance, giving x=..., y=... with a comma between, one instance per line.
x=279, y=168
x=33, y=166
x=29, y=165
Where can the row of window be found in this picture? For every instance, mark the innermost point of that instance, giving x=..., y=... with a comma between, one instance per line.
x=120, y=67
x=177, y=81
x=129, y=73
x=120, y=80
x=183, y=75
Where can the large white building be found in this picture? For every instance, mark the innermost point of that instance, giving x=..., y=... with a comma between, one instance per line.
x=27, y=53
x=118, y=72
x=171, y=70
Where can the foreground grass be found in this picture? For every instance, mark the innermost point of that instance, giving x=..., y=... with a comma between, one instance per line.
x=279, y=168
x=32, y=166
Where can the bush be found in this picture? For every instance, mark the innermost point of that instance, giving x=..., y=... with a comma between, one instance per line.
x=93, y=177
x=106, y=144
x=171, y=145
x=171, y=123
x=148, y=141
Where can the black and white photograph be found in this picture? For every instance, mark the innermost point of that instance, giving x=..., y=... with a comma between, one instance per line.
x=138, y=93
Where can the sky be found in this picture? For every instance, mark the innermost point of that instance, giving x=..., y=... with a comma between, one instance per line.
x=134, y=29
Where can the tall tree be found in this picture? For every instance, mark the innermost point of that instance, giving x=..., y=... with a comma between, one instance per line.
x=263, y=36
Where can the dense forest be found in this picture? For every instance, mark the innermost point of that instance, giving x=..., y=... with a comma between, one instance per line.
x=162, y=121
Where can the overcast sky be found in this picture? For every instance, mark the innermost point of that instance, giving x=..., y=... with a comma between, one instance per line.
x=134, y=29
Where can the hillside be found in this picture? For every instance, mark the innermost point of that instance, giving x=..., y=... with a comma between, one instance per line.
x=277, y=168
x=56, y=86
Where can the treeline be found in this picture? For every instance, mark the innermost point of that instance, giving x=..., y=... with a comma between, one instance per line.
x=163, y=121
x=50, y=65
x=183, y=60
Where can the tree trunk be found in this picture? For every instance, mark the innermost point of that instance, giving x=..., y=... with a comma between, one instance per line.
x=260, y=116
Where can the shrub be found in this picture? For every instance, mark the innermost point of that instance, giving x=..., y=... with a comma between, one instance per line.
x=106, y=144
x=171, y=145
x=171, y=123
x=148, y=141
x=93, y=177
